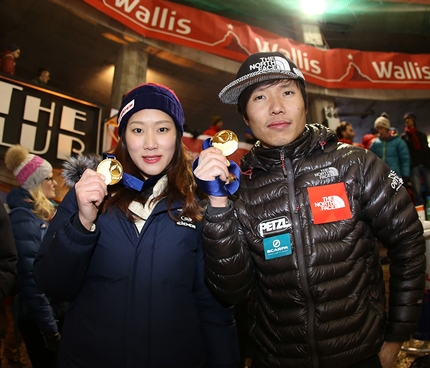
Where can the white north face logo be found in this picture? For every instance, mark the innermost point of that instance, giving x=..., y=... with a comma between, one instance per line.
x=330, y=203
x=327, y=173
x=271, y=63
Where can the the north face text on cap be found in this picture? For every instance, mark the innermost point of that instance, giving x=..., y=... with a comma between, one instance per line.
x=271, y=63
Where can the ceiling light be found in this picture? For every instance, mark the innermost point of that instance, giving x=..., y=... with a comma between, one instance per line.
x=313, y=6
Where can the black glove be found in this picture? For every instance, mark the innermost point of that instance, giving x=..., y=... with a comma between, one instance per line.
x=51, y=340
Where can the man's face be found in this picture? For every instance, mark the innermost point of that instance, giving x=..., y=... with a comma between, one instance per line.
x=16, y=53
x=45, y=76
x=409, y=122
x=276, y=113
x=384, y=133
x=349, y=133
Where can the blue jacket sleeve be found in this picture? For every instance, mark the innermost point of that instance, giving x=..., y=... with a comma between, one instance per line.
x=8, y=255
x=61, y=264
x=33, y=302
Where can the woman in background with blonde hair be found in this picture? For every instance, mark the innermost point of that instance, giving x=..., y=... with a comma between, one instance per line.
x=31, y=208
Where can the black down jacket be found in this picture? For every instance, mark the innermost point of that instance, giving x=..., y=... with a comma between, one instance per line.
x=318, y=299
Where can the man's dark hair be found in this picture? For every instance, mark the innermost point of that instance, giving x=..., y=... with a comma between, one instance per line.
x=341, y=128
x=246, y=94
x=41, y=70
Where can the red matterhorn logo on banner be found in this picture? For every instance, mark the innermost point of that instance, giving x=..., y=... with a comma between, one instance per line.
x=336, y=68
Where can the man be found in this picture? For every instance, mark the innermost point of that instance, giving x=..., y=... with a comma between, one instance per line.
x=43, y=77
x=216, y=126
x=345, y=133
x=420, y=157
x=300, y=239
x=391, y=149
x=8, y=59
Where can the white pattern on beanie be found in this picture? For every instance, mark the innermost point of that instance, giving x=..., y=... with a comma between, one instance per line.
x=30, y=170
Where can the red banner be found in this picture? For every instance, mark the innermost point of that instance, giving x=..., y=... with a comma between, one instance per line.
x=335, y=68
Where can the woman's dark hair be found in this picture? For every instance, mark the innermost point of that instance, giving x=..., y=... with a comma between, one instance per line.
x=246, y=94
x=181, y=185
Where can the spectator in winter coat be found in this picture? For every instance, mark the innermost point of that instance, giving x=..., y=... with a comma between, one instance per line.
x=345, y=133
x=43, y=77
x=368, y=138
x=391, y=148
x=8, y=59
x=216, y=126
x=31, y=209
x=8, y=259
x=8, y=255
x=420, y=157
x=127, y=252
x=302, y=235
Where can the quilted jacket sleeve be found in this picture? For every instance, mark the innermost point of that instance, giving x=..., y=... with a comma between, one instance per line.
x=217, y=323
x=62, y=261
x=33, y=302
x=228, y=265
x=8, y=255
x=394, y=221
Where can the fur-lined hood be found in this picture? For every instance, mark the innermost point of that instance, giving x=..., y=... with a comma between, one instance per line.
x=74, y=167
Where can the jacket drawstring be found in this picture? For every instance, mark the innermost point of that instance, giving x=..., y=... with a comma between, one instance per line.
x=283, y=164
x=322, y=144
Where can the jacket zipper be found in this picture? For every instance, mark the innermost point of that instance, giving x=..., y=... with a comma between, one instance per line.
x=287, y=170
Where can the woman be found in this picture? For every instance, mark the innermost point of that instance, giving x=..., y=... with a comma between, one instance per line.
x=31, y=209
x=129, y=258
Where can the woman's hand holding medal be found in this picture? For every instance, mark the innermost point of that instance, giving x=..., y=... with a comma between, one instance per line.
x=91, y=189
x=212, y=167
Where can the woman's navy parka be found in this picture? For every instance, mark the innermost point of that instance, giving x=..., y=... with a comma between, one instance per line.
x=138, y=299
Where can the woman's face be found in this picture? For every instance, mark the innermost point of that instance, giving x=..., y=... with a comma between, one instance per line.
x=151, y=140
x=49, y=185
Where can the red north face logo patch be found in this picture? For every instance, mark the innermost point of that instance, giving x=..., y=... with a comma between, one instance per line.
x=329, y=203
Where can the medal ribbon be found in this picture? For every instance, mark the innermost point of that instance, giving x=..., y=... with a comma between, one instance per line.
x=129, y=181
x=217, y=187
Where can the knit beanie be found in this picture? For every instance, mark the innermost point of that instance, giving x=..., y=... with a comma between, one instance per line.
x=410, y=115
x=382, y=122
x=30, y=170
x=151, y=96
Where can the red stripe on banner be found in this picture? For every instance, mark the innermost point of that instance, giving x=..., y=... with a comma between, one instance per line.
x=335, y=68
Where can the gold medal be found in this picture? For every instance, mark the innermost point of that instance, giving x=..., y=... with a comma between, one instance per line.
x=226, y=141
x=111, y=169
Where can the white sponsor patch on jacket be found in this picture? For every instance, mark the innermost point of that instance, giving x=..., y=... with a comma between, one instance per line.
x=330, y=203
x=274, y=226
x=186, y=221
x=329, y=172
x=396, y=182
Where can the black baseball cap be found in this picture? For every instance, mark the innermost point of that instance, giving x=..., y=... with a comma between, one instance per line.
x=260, y=67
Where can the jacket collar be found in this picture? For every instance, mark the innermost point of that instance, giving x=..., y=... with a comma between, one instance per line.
x=314, y=137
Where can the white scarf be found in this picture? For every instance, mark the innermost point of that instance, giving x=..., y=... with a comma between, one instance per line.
x=143, y=211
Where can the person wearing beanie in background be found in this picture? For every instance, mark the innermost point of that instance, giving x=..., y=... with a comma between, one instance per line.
x=31, y=209
x=391, y=148
x=420, y=157
x=216, y=126
x=299, y=238
x=129, y=255
x=8, y=59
